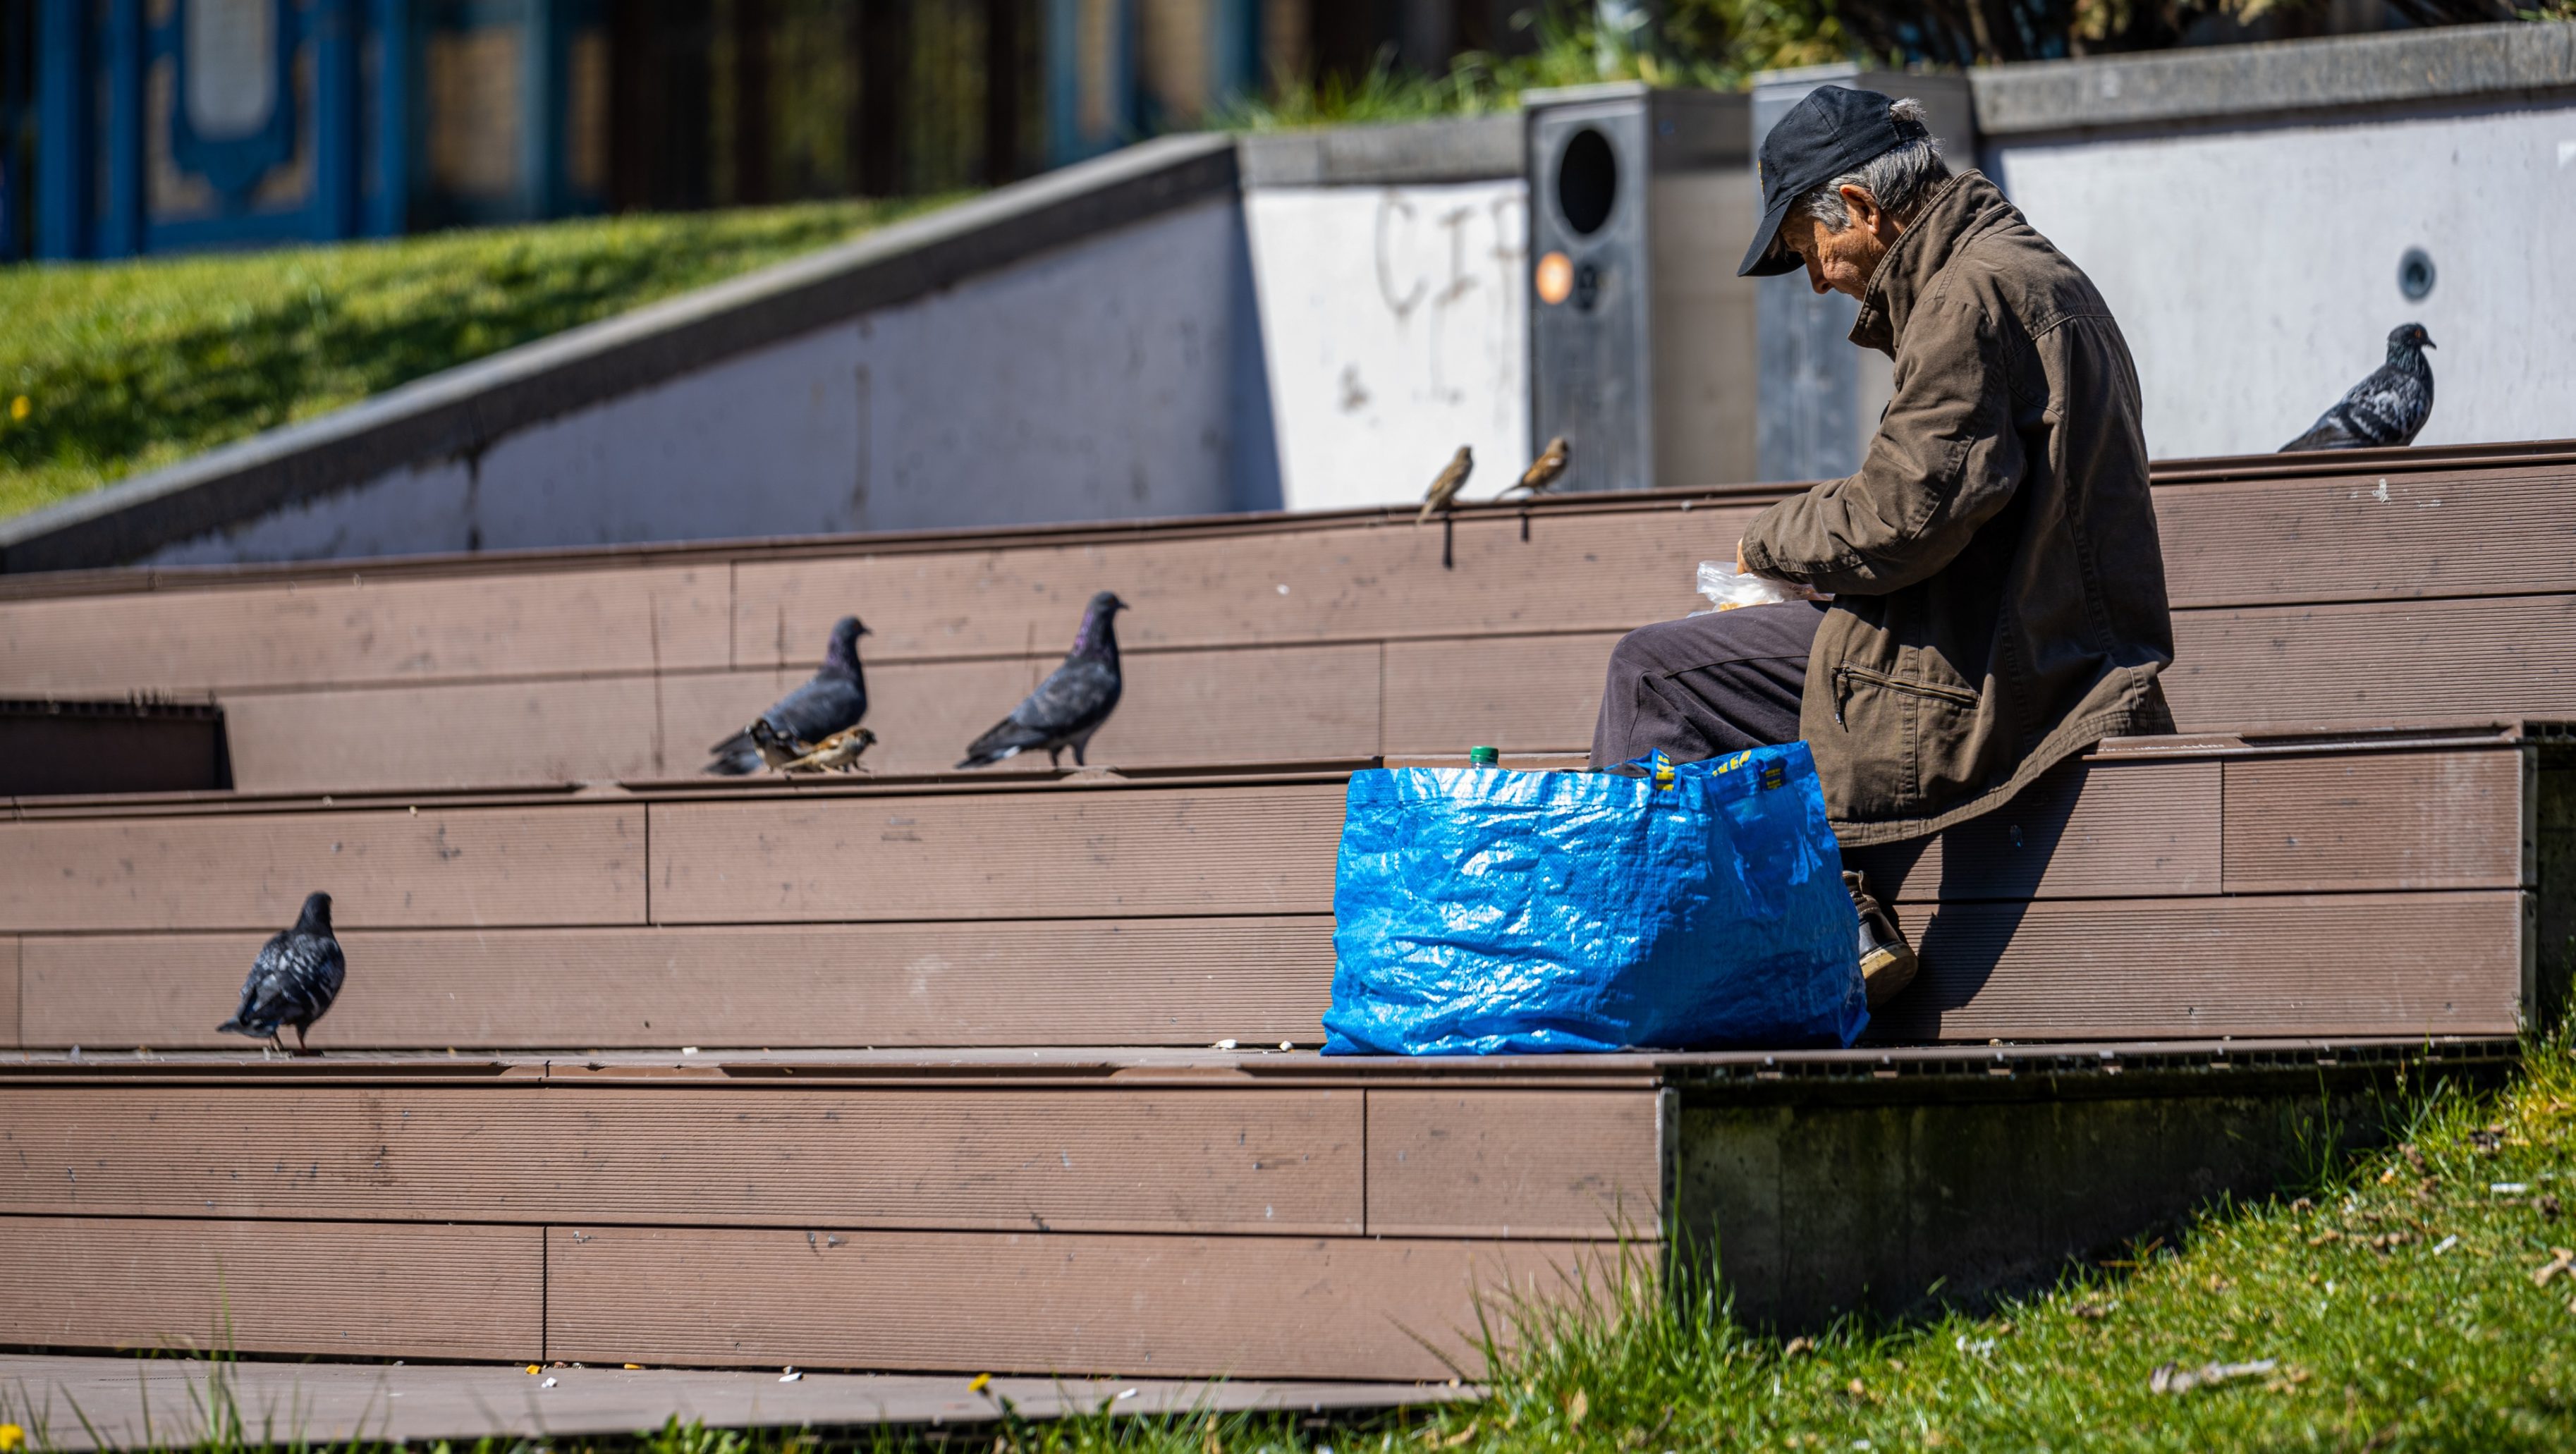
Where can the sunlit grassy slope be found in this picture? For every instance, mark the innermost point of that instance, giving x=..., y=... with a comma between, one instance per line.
x=112, y=369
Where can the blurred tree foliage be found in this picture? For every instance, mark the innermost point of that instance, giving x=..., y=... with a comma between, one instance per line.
x=1721, y=44
x=1746, y=35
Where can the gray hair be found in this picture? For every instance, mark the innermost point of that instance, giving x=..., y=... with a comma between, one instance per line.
x=1900, y=179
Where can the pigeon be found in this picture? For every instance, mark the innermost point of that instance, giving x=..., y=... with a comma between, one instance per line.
x=1452, y=479
x=2385, y=410
x=836, y=753
x=294, y=980
x=833, y=701
x=1545, y=470
x=1070, y=704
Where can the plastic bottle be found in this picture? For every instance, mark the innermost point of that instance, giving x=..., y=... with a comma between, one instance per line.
x=1483, y=757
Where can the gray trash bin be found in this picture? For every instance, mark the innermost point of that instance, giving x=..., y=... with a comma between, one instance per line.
x=1642, y=344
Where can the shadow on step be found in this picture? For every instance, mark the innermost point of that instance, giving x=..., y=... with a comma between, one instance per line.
x=138, y=745
x=1900, y=1195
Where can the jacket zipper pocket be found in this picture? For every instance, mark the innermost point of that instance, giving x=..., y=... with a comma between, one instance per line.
x=1845, y=675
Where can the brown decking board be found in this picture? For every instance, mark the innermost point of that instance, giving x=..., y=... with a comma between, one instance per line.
x=1281, y=1307
x=2396, y=662
x=1520, y=694
x=1514, y=1164
x=2429, y=820
x=1180, y=709
x=1251, y=850
x=344, y=1289
x=2419, y=963
x=1577, y=570
x=1185, y=708
x=355, y=629
x=1170, y=911
x=2110, y=828
x=705, y=1150
x=2373, y=535
x=2366, y=465
x=577, y=863
x=675, y=648
x=138, y=1403
x=465, y=734
x=1264, y=1161
x=1191, y=981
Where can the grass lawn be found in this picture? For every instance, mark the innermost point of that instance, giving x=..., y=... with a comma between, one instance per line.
x=2406, y=1303
x=2414, y=1300
x=108, y=370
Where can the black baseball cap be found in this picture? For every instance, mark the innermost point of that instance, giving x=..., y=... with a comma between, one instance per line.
x=1833, y=131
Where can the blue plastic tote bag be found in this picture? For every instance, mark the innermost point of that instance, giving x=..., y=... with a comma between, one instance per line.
x=1481, y=912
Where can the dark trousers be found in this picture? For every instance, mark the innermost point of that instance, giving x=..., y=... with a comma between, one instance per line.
x=1706, y=685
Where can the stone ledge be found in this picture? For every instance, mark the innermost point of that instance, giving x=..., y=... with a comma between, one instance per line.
x=2466, y=63
x=1483, y=148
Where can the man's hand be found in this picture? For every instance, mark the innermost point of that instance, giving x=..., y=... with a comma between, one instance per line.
x=1789, y=590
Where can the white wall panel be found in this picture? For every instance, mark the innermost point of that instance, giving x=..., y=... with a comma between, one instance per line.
x=2255, y=271
x=1395, y=332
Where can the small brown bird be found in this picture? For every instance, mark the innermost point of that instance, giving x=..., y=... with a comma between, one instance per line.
x=1444, y=490
x=1545, y=470
x=836, y=753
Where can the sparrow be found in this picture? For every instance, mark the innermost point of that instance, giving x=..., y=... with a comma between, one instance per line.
x=1545, y=470
x=836, y=753
x=1444, y=490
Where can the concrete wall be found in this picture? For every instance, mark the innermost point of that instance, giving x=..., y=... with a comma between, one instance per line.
x=1393, y=321
x=1113, y=379
x=1388, y=262
x=2255, y=272
x=2244, y=209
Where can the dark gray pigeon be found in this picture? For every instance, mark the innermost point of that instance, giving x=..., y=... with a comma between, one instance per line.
x=294, y=980
x=2385, y=410
x=833, y=701
x=1071, y=703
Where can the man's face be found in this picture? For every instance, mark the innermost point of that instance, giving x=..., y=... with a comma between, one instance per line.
x=1842, y=262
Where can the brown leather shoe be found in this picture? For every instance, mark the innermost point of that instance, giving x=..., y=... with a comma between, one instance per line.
x=1887, y=962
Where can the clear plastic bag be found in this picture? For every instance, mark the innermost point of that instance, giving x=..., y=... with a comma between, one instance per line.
x=1727, y=588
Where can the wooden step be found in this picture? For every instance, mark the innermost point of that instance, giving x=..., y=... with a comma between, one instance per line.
x=1172, y=1213
x=2306, y=596
x=136, y=1403
x=1188, y=908
x=1279, y=1215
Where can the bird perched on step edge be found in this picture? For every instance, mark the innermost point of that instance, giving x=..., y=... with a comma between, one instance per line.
x=294, y=980
x=833, y=701
x=2385, y=410
x=836, y=753
x=1070, y=704
x=1452, y=479
x=1545, y=470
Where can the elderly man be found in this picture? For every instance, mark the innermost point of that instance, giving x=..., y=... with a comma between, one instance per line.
x=1997, y=594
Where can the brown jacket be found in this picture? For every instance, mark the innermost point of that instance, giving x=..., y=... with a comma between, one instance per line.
x=1999, y=592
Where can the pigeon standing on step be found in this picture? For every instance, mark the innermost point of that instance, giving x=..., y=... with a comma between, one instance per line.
x=2385, y=410
x=833, y=701
x=1446, y=485
x=1545, y=470
x=1070, y=704
x=294, y=980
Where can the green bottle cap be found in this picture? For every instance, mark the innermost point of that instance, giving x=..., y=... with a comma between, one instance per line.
x=1483, y=757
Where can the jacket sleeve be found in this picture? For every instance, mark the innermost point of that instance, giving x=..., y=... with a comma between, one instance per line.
x=1944, y=460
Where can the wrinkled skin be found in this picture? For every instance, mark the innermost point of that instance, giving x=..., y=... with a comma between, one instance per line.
x=1843, y=262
